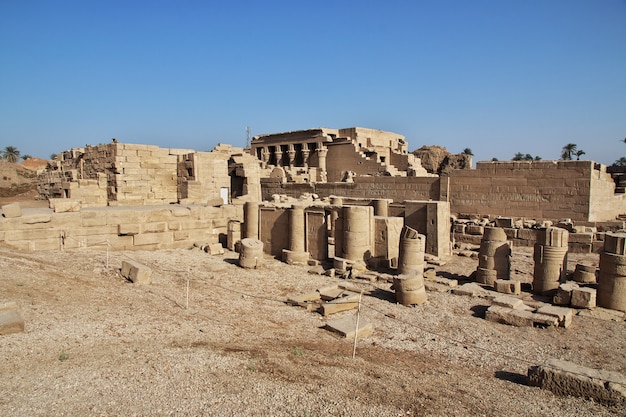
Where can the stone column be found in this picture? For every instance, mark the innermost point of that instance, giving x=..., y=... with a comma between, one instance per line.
x=321, y=154
x=251, y=220
x=279, y=156
x=612, y=277
x=356, y=232
x=291, y=155
x=494, y=258
x=305, y=155
x=296, y=254
x=381, y=207
x=550, y=260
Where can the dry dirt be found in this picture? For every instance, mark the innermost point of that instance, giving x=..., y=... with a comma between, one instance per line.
x=96, y=344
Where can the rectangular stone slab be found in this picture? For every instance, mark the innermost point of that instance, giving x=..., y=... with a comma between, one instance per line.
x=346, y=326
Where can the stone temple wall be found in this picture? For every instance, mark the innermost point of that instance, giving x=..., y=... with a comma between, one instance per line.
x=118, y=228
x=553, y=190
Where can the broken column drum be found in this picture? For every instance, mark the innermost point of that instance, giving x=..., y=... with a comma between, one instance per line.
x=251, y=253
x=550, y=257
x=494, y=258
x=251, y=220
x=357, y=226
x=233, y=234
x=409, y=289
x=612, y=277
x=411, y=252
x=296, y=254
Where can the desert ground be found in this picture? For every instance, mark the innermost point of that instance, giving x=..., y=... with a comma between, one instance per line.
x=96, y=344
x=208, y=338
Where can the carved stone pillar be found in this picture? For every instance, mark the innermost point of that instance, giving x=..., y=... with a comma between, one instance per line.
x=291, y=155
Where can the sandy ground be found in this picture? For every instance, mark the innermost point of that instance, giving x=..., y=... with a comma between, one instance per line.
x=96, y=344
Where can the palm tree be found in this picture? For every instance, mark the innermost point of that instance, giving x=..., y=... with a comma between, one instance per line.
x=25, y=157
x=579, y=154
x=567, y=151
x=468, y=151
x=53, y=156
x=620, y=162
x=518, y=157
x=538, y=158
x=11, y=154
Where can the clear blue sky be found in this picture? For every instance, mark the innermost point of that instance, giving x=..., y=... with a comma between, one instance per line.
x=497, y=76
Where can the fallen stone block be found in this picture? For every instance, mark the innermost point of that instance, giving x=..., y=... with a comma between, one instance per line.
x=439, y=284
x=506, y=301
x=12, y=210
x=346, y=327
x=330, y=293
x=563, y=314
x=348, y=302
x=214, y=249
x=310, y=301
x=563, y=295
x=583, y=298
x=519, y=317
x=566, y=378
x=474, y=290
x=136, y=272
x=11, y=320
x=317, y=270
x=507, y=286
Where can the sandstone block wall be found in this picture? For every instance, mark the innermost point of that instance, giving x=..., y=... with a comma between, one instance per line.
x=119, y=228
x=538, y=189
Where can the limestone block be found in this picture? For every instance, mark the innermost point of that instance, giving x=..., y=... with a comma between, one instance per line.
x=505, y=222
x=459, y=228
x=93, y=218
x=11, y=320
x=581, y=237
x=153, y=238
x=136, y=272
x=181, y=235
x=346, y=327
x=158, y=227
x=527, y=234
x=507, y=301
x=36, y=218
x=473, y=229
x=511, y=233
x=508, y=286
x=583, y=298
x=566, y=378
x=615, y=243
x=348, y=302
x=563, y=314
x=128, y=229
x=563, y=295
x=12, y=210
x=519, y=317
x=64, y=205
x=214, y=249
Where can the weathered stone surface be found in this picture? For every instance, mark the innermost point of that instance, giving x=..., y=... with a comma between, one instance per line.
x=562, y=314
x=136, y=272
x=12, y=210
x=346, y=327
x=11, y=320
x=214, y=249
x=566, y=378
x=519, y=317
x=563, y=295
x=508, y=286
x=506, y=301
x=348, y=302
x=583, y=298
